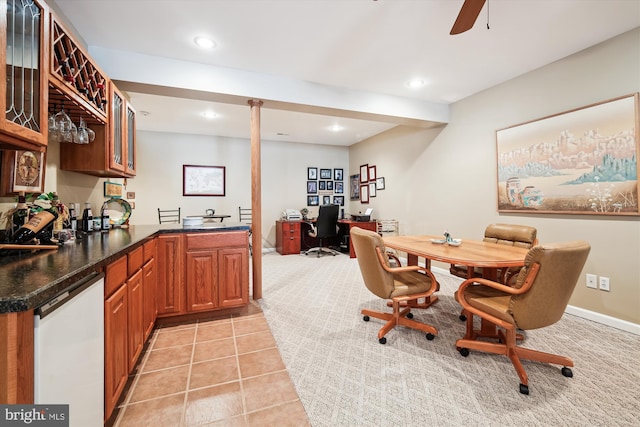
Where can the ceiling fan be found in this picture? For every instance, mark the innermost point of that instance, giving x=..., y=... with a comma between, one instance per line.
x=467, y=16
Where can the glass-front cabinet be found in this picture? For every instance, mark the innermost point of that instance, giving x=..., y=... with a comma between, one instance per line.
x=122, y=131
x=23, y=75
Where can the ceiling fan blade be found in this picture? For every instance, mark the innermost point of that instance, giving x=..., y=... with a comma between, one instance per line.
x=467, y=16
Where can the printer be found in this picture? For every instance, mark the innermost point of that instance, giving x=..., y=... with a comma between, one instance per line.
x=366, y=217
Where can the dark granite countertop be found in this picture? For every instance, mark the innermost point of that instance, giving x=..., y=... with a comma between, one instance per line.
x=28, y=279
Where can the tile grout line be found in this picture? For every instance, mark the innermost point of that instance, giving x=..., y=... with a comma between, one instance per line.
x=235, y=348
x=186, y=391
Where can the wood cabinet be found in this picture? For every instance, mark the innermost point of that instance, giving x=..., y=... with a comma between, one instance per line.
x=24, y=74
x=135, y=292
x=288, y=237
x=122, y=150
x=149, y=281
x=170, y=267
x=116, y=357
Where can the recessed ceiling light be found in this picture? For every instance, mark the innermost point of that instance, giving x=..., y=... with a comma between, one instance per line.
x=209, y=115
x=416, y=83
x=335, y=128
x=204, y=42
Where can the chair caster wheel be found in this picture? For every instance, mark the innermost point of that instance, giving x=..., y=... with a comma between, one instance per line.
x=382, y=340
x=524, y=389
x=430, y=337
x=409, y=315
x=567, y=372
x=464, y=352
x=365, y=318
x=462, y=317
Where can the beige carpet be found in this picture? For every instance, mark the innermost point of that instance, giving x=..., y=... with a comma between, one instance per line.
x=344, y=377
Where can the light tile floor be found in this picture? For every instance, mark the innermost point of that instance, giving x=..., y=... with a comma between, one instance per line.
x=225, y=372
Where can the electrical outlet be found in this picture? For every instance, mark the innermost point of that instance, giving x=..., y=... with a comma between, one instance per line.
x=604, y=284
x=592, y=281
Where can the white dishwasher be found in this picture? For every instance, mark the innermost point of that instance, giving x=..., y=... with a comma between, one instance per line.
x=69, y=352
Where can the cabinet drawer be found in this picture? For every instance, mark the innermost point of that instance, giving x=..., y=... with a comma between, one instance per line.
x=149, y=250
x=116, y=275
x=135, y=258
x=217, y=240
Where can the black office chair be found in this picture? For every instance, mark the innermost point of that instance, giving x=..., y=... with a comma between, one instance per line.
x=169, y=215
x=326, y=227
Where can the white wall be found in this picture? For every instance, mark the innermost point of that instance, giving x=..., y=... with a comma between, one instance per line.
x=446, y=178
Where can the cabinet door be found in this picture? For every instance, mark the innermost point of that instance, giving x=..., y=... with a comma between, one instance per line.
x=116, y=366
x=149, y=275
x=170, y=279
x=135, y=317
x=291, y=238
x=233, y=288
x=117, y=146
x=202, y=280
x=24, y=73
x=130, y=140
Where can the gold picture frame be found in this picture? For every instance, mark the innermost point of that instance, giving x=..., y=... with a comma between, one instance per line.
x=28, y=171
x=583, y=161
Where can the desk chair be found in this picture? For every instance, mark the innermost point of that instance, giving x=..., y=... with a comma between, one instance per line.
x=169, y=215
x=402, y=285
x=245, y=215
x=326, y=227
x=537, y=299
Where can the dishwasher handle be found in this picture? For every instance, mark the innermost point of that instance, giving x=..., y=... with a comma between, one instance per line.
x=73, y=290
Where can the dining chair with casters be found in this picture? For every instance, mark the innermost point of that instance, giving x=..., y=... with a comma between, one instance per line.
x=538, y=299
x=523, y=236
x=245, y=215
x=168, y=216
x=325, y=227
x=403, y=286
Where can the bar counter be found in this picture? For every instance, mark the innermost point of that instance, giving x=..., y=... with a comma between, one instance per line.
x=28, y=279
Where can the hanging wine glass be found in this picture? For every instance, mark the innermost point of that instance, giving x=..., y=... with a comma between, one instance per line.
x=64, y=125
x=82, y=136
x=91, y=134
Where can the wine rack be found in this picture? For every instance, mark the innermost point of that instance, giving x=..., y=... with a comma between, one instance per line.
x=73, y=68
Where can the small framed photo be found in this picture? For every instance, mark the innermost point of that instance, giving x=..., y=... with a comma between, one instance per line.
x=312, y=173
x=28, y=171
x=372, y=173
x=354, y=187
x=372, y=189
x=338, y=200
x=329, y=185
x=313, y=201
x=325, y=173
x=326, y=200
x=364, y=174
x=338, y=174
x=339, y=187
x=364, y=193
x=380, y=183
x=312, y=187
x=322, y=185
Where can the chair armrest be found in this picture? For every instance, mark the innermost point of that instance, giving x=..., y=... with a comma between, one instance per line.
x=531, y=275
x=381, y=258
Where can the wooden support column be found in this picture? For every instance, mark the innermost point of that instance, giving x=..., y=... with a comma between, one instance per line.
x=16, y=357
x=256, y=199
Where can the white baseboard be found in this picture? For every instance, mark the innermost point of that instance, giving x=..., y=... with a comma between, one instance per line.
x=603, y=319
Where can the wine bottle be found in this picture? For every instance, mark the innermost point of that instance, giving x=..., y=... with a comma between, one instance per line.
x=35, y=225
x=21, y=214
x=104, y=215
x=73, y=219
x=87, y=218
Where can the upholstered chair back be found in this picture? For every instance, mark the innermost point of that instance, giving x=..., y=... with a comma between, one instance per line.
x=511, y=234
x=560, y=268
x=376, y=279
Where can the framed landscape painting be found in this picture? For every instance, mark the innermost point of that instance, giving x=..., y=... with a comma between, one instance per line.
x=583, y=161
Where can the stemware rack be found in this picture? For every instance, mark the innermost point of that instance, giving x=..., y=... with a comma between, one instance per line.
x=78, y=83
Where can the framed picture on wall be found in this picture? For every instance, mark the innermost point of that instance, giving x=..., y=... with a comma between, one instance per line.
x=380, y=183
x=354, y=187
x=364, y=193
x=313, y=200
x=338, y=200
x=203, y=180
x=322, y=185
x=325, y=173
x=330, y=185
x=312, y=187
x=339, y=187
x=312, y=173
x=372, y=173
x=28, y=171
x=337, y=174
x=372, y=189
x=364, y=173
x=326, y=200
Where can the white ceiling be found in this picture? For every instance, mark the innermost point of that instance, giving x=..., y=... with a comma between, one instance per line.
x=358, y=45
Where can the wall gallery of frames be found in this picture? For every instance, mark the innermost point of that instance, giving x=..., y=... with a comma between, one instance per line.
x=325, y=186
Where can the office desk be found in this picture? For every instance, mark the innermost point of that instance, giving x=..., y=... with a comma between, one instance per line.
x=292, y=236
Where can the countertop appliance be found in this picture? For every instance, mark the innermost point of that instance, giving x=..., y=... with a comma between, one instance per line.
x=69, y=351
